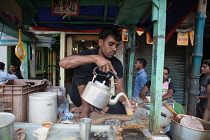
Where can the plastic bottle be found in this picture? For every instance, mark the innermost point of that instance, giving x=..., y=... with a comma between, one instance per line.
x=1, y=106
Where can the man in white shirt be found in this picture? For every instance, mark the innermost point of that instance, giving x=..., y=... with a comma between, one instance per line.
x=4, y=76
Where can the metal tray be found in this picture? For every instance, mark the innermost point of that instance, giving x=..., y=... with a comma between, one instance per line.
x=68, y=131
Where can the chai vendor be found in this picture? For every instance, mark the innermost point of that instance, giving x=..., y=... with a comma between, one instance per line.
x=84, y=63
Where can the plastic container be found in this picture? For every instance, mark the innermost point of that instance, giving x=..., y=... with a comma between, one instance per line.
x=14, y=96
x=6, y=126
x=43, y=107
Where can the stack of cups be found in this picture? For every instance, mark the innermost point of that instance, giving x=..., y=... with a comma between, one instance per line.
x=85, y=128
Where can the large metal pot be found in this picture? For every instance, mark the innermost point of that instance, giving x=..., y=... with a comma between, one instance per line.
x=6, y=126
x=180, y=132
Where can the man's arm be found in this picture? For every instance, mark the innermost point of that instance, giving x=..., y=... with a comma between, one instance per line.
x=168, y=95
x=85, y=112
x=10, y=76
x=74, y=61
x=142, y=94
x=143, y=80
x=206, y=115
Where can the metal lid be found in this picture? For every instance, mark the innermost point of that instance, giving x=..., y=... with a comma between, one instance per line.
x=102, y=85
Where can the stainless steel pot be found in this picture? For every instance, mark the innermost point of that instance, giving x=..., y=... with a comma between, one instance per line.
x=179, y=132
x=6, y=126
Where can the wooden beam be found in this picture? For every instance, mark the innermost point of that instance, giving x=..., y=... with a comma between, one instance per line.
x=84, y=37
x=158, y=53
x=62, y=55
x=131, y=44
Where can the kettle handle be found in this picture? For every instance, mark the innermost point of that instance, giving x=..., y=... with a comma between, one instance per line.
x=94, y=73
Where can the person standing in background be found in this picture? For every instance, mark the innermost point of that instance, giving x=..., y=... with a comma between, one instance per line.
x=204, y=82
x=4, y=76
x=141, y=78
x=167, y=88
x=206, y=115
x=14, y=70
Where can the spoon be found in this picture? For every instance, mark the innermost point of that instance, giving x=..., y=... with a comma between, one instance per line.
x=187, y=121
x=172, y=111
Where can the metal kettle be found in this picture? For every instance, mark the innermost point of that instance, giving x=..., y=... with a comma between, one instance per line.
x=98, y=94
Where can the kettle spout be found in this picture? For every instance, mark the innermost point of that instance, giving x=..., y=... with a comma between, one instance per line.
x=114, y=101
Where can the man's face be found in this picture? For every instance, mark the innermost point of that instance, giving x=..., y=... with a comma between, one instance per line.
x=205, y=69
x=108, y=47
x=165, y=74
x=138, y=65
x=13, y=68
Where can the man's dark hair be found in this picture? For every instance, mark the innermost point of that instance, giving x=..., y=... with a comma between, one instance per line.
x=166, y=68
x=2, y=66
x=109, y=31
x=207, y=62
x=15, y=65
x=143, y=61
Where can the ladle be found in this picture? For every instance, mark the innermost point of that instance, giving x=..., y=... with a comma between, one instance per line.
x=172, y=111
x=188, y=121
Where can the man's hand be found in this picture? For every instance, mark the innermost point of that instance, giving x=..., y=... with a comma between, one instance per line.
x=145, y=100
x=132, y=104
x=104, y=64
x=104, y=110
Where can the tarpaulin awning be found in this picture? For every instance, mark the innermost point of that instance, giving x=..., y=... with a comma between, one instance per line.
x=87, y=21
x=6, y=40
x=42, y=41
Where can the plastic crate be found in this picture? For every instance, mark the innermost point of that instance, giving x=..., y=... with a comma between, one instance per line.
x=15, y=94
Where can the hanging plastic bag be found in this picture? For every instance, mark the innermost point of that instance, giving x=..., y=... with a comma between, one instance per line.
x=66, y=115
x=61, y=91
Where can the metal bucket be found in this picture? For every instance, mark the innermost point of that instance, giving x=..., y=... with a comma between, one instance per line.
x=6, y=126
x=43, y=107
x=180, y=132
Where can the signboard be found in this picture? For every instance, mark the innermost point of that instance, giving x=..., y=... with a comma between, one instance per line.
x=124, y=35
x=192, y=37
x=182, y=39
x=65, y=7
x=148, y=38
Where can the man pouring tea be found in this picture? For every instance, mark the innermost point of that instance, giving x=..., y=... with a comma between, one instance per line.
x=103, y=58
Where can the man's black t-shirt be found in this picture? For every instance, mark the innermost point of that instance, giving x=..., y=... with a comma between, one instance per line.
x=205, y=81
x=18, y=74
x=84, y=73
x=170, y=86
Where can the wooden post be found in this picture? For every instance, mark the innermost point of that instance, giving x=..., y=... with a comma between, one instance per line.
x=159, y=19
x=62, y=55
x=131, y=45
